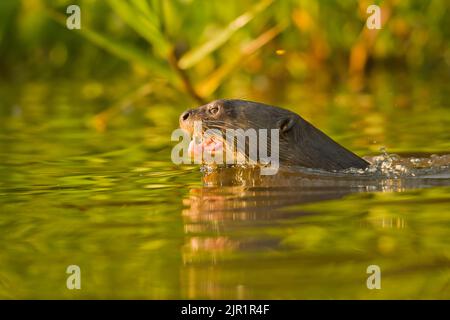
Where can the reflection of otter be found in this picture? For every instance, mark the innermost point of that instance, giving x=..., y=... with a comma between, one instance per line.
x=230, y=213
x=236, y=197
x=233, y=196
x=300, y=143
x=239, y=212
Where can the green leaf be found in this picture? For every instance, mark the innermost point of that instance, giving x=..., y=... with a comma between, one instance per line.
x=119, y=49
x=213, y=81
x=144, y=22
x=144, y=8
x=125, y=51
x=195, y=55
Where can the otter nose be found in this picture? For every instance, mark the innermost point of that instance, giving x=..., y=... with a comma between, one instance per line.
x=185, y=115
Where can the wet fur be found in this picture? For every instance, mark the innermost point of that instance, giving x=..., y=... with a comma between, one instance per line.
x=301, y=144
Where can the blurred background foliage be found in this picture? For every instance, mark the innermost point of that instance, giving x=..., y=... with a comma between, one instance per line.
x=195, y=50
x=211, y=41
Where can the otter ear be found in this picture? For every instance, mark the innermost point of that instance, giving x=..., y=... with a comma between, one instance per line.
x=286, y=124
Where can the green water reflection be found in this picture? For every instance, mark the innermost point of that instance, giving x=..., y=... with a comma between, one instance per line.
x=141, y=227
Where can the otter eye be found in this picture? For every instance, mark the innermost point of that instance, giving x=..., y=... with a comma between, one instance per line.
x=213, y=109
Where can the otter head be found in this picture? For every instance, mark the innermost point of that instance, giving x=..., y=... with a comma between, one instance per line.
x=298, y=142
x=216, y=114
x=244, y=118
x=238, y=114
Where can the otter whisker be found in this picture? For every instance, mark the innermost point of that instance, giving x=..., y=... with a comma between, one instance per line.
x=300, y=143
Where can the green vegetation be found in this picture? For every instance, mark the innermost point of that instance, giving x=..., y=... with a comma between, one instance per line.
x=200, y=46
x=200, y=50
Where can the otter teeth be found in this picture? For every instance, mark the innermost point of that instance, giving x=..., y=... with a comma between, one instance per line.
x=209, y=144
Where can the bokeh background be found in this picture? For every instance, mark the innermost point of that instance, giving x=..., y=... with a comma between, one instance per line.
x=313, y=55
x=85, y=171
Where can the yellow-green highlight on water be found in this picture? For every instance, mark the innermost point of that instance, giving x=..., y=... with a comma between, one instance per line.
x=85, y=172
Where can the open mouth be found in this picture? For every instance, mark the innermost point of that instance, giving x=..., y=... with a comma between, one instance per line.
x=200, y=145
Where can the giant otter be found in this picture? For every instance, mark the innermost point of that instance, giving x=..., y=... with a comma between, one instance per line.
x=300, y=143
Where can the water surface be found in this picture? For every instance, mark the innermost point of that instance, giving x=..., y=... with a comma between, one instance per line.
x=139, y=226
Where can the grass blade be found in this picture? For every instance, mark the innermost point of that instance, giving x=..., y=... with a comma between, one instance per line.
x=207, y=87
x=144, y=23
x=119, y=49
x=195, y=55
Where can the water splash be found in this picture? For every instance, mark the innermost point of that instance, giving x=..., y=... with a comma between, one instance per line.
x=394, y=166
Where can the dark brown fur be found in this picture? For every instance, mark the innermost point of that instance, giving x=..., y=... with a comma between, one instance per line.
x=301, y=143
